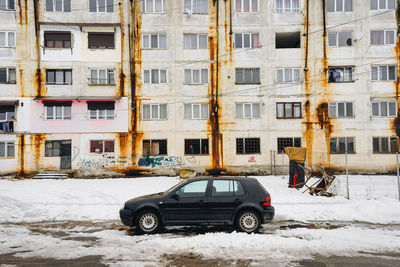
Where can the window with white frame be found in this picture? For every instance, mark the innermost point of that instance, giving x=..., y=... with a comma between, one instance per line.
x=7, y=39
x=57, y=110
x=341, y=145
x=155, y=76
x=7, y=149
x=7, y=113
x=385, y=144
x=7, y=5
x=154, y=111
x=341, y=74
x=383, y=37
x=247, y=110
x=288, y=110
x=384, y=73
x=195, y=6
x=340, y=39
x=58, y=5
x=195, y=41
x=195, y=76
x=384, y=108
x=247, y=75
x=102, y=146
x=196, y=111
x=101, y=6
x=153, y=6
x=382, y=4
x=341, y=110
x=340, y=5
x=8, y=75
x=247, y=40
x=287, y=6
x=101, y=110
x=102, y=76
x=59, y=76
x=246, y=6
x=154, y=41
x=288, y=75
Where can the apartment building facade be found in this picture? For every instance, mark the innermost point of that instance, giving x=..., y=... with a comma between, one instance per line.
x=155, y=86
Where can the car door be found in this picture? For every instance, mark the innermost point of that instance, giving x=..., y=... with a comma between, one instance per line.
x=225, y=196
x=186, y=204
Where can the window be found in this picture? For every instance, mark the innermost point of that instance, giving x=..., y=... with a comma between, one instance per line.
x=7, y=5
x=196, y=147
x=287, y=6
x=101, y=6
x=57, y=39
x=383, y=37
x=7, y=39
x=7, y=149
x=288, y=142
x=340, y=5
x=7, y=113
x=58, y=5
x=155, y=41
x=58, y=110
x=154, y=111
x=196, y=111
x=285, y=40
x=195, y=76
x=7, y=75
x=246, y=40
x=382, y=4
x=155, y=76
x=101, y=146
x=227, y=188
x=101, y=40
x=384, y=109
x=247, y=110
x=246, y=6
x=101, y=110
x=341, y=110
x=385, y=144
x=288, y=110
x=193, y=189
x=195, y=41
x=153, y=6
x=247, y=145
x=102, y=76
x=341, y=74
x=52, y=148
x=288, y=75
x=341, y=145
x=384, y=73
x=248, y=76
x=340, y=39
x=155, y=147
x=59, y=76
x=195, y=6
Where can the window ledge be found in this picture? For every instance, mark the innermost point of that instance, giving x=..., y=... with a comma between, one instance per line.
x=289, y=118
x=247, y=154
x=155, y=119
x=152, y=49
x=7, y=158
x=201, y=155
x=342, y=82
x=246, y=83
x=384, y=153
x=101, y=84
x=342, y=153
x=58, y=48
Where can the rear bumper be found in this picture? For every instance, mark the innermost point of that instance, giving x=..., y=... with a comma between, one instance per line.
x=126, y=217
x=268, y=213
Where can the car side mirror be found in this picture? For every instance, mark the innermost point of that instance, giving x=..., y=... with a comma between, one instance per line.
x=175, y=196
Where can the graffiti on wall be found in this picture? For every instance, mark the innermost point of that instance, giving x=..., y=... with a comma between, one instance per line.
x=166, y=162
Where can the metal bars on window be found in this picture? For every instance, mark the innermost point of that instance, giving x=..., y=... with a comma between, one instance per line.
x=283, y=142
x=248, y=146
x=7, y=149
x=341, y=145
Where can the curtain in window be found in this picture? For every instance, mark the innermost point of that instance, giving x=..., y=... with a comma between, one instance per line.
x=163, y=111
x=279, y=75
x=373, y=4
x=279, y=110
x=287, y=5
x=238, y=40
x=93, y=5
x=2, y=39
x=349, y=109
x=377, y=37
x=374, y=73
x=255, y=40
x=189, y=41
x=279, y=6
x=204, y=76
x=254, y=6
x=154, y=41
x=288, y=110
x=196, y=111
x=239, y=110
x=382, y=4
x=296, y=75
x=296, y=6
x=200, y=6
x=12, y=77
x=203, y=41
x=196, y=76
x=246, y=40
x=391, y=4
x=59, y=5
x=163, y=76
x=204, y=111
x=67, y=5
x=162, y=41
x=187, y=111
x=392, y=108
x=154, y=111
x=102, y=77
x=390, y=37
x=375, y=109
x=332, y=39
x=383, y=73
x=256, y=110
x=288, y=75
x=187, y=76
x=297, y=110
x=149, y=6
x=145, y=41
x=146, y=111
x=238, y=5
x=187, y=6
x=146, y=76
x=155, y=76
x=247, y=110
x=339, y=5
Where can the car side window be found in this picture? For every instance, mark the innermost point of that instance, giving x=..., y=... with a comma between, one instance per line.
x=227, y=188
x=193, y=189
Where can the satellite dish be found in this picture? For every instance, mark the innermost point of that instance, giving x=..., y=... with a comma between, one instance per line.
x=357, y=36
x=349, y=42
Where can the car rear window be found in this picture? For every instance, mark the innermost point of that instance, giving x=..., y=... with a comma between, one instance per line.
x=226, y=188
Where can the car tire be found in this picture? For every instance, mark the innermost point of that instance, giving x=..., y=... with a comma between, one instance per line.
x=148, y=222
x=248, y=221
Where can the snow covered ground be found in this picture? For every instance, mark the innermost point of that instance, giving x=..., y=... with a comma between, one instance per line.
x=36, y=216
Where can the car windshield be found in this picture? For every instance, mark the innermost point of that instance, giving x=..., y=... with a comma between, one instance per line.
x=173, y=188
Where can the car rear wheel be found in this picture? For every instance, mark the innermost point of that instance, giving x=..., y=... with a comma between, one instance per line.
x=148, y=222
x=248, y=221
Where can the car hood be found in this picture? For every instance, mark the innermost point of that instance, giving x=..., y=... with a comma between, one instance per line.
x=136, y=200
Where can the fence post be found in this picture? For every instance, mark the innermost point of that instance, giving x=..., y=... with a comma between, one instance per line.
x=274, y=162
x=347, y=177
x=270, y=155
x=283, y=173
x=397, y=168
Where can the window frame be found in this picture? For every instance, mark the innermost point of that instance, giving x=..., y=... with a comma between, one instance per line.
x=384, y=37
x=54, y=6
x=7, y=153
x=63, y=115
x=108, y=71
x=294, y=141
x=251, y=40
x=293, y=104
x=252, y=116
x=200, y=147
x=98, y=46
x=250, y=7
x=9, y=115
x=159, y=112
x=234, y=193
x=190, y=11
x=155, y=141
x=246, y=150
x=7, y=39
x=343, y=68
x=337, y=39
x=243, y=76
x=378, y=5
x=380, y=108
x=337, y=145
x=389, y=139
x=106, y=113
x=102, y=152
x=144, y=7
x=158, y=41
x=335, y=7
x=7, y=71
x=64, y=46
x=7, y=6
x=64, y=76
x=191, y=76
x=337, y=109
x=284, y=8
x=292, y=70
x=378, y=73
x=192, y=105
x=198, y=41
x=159, y=76
x=105, y=7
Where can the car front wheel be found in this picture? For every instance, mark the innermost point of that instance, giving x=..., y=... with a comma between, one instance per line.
x=148, y=222
x=248, y=221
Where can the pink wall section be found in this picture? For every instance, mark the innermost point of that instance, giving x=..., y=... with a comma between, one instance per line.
x=80, y=122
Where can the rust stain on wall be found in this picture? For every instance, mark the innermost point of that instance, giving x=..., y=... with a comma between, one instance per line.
x=26, y=14
x=37, y=140
x=395, y=125
x=20, y=13
x=38, y=76
x=21, y=155
x=21, y=81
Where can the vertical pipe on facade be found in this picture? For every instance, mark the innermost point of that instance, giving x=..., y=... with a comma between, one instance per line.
x=230, y=18
x=307, y=22
x=37, y=36
x=132, y=66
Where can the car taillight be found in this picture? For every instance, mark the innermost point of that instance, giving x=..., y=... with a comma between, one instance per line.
x=266, y=202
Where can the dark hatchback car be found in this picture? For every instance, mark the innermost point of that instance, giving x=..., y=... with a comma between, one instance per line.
x=239, y=201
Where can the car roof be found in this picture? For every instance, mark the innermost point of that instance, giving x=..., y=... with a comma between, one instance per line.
x=220, y=177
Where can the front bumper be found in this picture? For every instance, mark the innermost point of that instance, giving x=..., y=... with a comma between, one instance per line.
x=268, y=213
x=126, y=217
